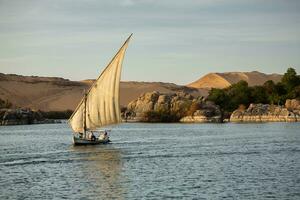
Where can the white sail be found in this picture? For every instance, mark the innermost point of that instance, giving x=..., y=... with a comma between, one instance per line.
x=101, y=105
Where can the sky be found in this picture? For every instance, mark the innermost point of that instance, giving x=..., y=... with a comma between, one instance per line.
x=173, y=40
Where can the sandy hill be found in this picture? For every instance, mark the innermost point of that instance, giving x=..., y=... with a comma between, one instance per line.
x=52, y=93
x=223, y=80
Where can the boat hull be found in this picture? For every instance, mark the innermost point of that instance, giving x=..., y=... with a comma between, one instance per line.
x=82, y=141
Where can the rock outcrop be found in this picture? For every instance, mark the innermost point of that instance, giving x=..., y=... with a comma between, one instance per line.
x=21, y=117
x=208, y=112
x=173, y=104
x=268, y=113
x=292, y=104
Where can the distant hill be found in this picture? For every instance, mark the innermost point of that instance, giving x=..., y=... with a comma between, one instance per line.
x=223, y=80
x=55, y=94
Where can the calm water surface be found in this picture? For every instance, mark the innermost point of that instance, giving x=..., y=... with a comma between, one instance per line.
x=153, y=161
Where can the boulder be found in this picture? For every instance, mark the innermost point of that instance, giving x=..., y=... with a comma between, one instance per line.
x=292, y=104
x=144, y=103
x=266, y=113
x=208, y=112
x=163, y=102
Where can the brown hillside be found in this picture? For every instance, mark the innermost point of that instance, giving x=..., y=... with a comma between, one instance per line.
x=223, y=80
x=51, y=93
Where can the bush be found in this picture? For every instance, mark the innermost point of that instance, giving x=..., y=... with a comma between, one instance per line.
x=57, y=114
x=161, y=116
x=5, y=104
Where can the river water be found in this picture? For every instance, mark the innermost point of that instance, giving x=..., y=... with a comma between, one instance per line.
x=153, y=161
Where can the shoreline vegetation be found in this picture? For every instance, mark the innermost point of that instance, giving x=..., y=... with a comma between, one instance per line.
x=240, y=95
x=270, y=102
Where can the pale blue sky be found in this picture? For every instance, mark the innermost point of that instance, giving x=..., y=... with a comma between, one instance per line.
x=174, y=40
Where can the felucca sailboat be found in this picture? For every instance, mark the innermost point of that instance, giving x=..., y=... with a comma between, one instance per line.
x=100, y=104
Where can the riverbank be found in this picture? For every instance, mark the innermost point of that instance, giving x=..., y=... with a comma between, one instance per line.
x=27, y=116
x=154, y=107
x=182, y=107
x=290, y=112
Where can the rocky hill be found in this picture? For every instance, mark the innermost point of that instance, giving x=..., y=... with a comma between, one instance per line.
x=223, y=80
x=57, y=94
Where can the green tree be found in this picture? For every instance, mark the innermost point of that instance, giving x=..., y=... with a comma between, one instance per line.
x=259, y=95
x=295, y=93
x=281, y=94
x=270, y=86
x=219, y=97
x=239, y=93
x=290, y=79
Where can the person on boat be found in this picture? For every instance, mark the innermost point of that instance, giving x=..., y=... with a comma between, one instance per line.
x=104, y=136
x=93, y=137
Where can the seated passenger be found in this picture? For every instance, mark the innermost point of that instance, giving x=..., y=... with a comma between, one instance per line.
x=104, y=136
x=93, y=137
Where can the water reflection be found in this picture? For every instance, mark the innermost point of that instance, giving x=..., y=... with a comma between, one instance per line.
x=102, y=169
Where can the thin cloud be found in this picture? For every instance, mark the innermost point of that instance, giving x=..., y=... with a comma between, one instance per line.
x=170, y=33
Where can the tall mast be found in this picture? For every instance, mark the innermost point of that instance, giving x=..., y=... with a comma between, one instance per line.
x=84, y=113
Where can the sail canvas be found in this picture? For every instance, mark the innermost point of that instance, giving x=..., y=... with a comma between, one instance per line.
x=101, y=105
